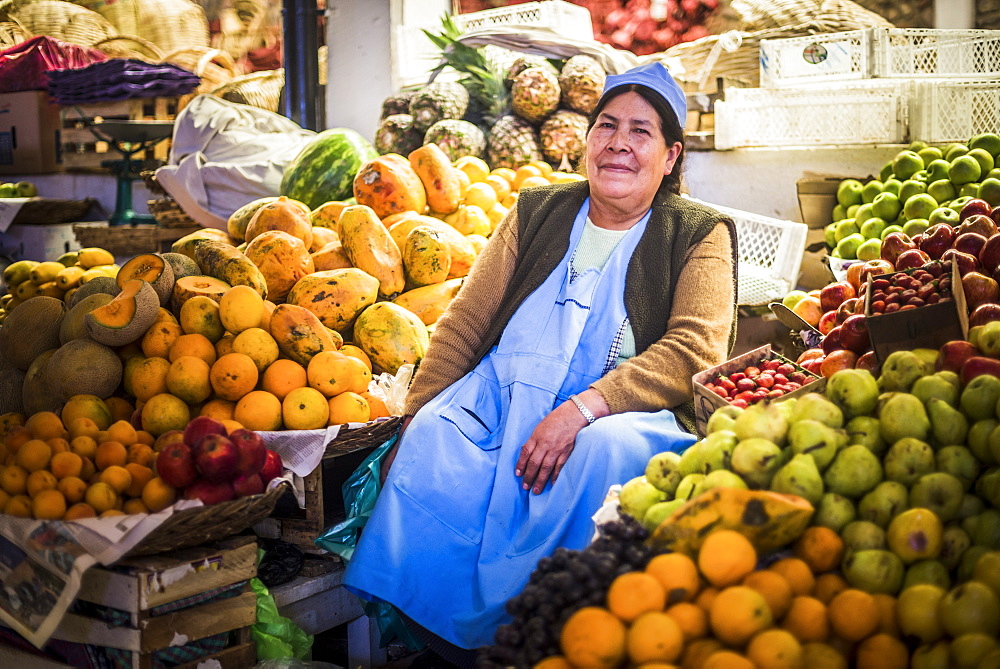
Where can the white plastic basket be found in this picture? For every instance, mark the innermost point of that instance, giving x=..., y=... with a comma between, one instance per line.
x=919, y=52
x=816, y=58
x=845, y=113
x=770, y=255
x=954, y=111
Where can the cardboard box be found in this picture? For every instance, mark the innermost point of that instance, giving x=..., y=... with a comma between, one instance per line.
x=817, y=198
x=929, y=326
x=30, y=129
x=706, y=402
x=38, y=242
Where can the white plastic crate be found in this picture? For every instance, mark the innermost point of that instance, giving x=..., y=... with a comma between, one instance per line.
x=845, y=113
x=770, y=255
x=954, y=111
x=826, y=57
x=920, y=52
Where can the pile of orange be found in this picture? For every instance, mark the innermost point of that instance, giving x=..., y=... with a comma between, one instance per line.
x=89, y=466
x=717, y=610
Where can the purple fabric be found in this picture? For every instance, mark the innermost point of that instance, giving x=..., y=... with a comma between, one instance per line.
x=119, y=79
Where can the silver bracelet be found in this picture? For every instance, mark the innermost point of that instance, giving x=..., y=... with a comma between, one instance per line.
x=583, y=409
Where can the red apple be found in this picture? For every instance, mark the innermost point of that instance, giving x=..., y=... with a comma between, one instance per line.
x=136, y=419
x=175, y=465
x=979, y=289
x=969, y=242
x=984, y=313
x=167, y=438
x=827, y=322
x=990, y=255
x=831, y=342
x=848, y=308
x=894, y=244
x=838, y=360
x=200, y=427
x=854, y=276
x=980, y=224
x=953, y=354
x=867, y=361
x=966, y=263
x=216, y=458
x=252, y=451
x=973, y=207
x=995, y=214
x=854, y=334
x=272, y=466
x=875, y=268
x=913, y=258
x=814, y=366
x=809, y=310
x=979, y=365
x=210, y=492
x=809, y=354
x=248, y=484
x=833, y=295
x=937, y=239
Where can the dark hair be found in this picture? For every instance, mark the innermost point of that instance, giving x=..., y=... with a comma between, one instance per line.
x=669, y=125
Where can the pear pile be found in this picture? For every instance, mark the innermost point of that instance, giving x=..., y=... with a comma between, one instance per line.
x=903, y=467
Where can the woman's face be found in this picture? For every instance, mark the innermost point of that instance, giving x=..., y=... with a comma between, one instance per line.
x=627, y=154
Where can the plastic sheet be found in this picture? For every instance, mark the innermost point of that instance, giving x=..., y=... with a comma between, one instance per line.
x=277, y=637
x=23, y=67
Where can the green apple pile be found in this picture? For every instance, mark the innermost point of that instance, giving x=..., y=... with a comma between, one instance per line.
x=903, y=467
x=922, y=185
x=18, y=189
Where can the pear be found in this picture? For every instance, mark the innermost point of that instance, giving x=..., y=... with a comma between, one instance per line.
x=637, y=495
x=861, y=535
x=881, y=505
x=756, y=460
x=685, y=489
x=981, y=437
x=663, y=472
x=907, y=460
x=717, y=450
x=723, y=418
x=799, y=477
x=763, y=420
x=988, y=486
x=816, y=439
x=971, y=506
x=928, y=356
x=834, y=511
x=854, y=471
x=916, y=614
x=787, y=407
x=930, y=572
x=866, y=430
x=994, y=448
x=932, y=656
x=987, y=570
x=979, y=397
x=960, y=463
x=940, y=492
x=692, y=460
x=954, y=542
x=948, y=425
x=935, y=385
x=720, y=478
x=915, y=535
x=900, y=371
x=659, y=512
x=903, y=415
x=813, y=406
x=967, y=566
x=855, y=391
x=874, y=571
x=968, y=608
x=951, y=377
x=969, y=650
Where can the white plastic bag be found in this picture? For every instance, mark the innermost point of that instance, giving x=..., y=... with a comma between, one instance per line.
x=392, y=389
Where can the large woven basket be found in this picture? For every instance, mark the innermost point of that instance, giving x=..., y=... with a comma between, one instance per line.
x=368, y=436
x=214, y=66
x=828, y=15
x=130, y=46
x=169, y=24
x=258, y=89
x=12, y=34
x=62, y=20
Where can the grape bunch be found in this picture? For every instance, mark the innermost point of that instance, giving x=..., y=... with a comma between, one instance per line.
x=560, y=585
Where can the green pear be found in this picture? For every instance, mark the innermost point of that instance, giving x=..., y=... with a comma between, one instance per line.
x=862, y=535
x=954, y=542
x=663, y=471
x=854, y=471
x=787, y=407
x=901, y=370
x=988, y=486
x=971, y=506
x=940, y=492
x=756, y=460
x=637, y=495
x=969, y=650
x=874, y=571
x=866, y=431
x=991, y=456
x=979, y=398
x=763, y=420
x=816, y=439
x=834, y=511
x=960, y=462
x=930, y=572
x=903, y=415
x=979, y=439
x=659, y=512
x=883, y=503
x=952, y=378
x=932, y=656
x=692, y=460
x=948, y=425
x=967, y=566
x=723, y=418
x=987, y=529
x=720, y=478
x=987, y=570
x=855, y=391
x=929, y=357
x=813, y=406
x=907, y=460
x=916, y=615
x=717, y=450
x=935, y=385
x=799, y=477
x=970, y=607
x=988, y=340
x=685, y=489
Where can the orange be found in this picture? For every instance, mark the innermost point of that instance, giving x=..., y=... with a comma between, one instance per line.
x=141, y=454
x=355, y=352
x=111, y=453
x=775, y=649
x=798, y=575
x=706, y=597
x=526, y=172
x=221, y=409
x=258, y=410
x=101, y=496
x=80, y=510
x=45, y=425
x=196, y=345
x=58, y=445
x=4, y=498
x=332, y=373
x=654, y=637
x=727, y=659
x=376, y=407
x=348, y=408
x=807, y=620
x=634, y=593
x=774, y=588
x=122, y=432
x=821, y=548
x=282, y=377
x=305, y=409
x=697, y=652
x=73, y=488
x=86, y=406
x=121, y=409
x=163, y=413
x=886, y=614
x=15, y=437
x=133, y=506
x=532, y=182
x=39, y=481
x=499, y=185
x=725, y=557
x=692, y=620
x=233, y=376
x=84, y=446
x=188, y=379
x=231, y=425
x=48, y=505
x=112, y=512
x=828, y=585
x=593, y=637
x=117, y=477
x=158, y=339
x=143, y=437
x=13, y=480
x=149, y=378
x=83, y=427
x=882, y=651
x=543, y=166
x=224, y=346
x=34, y=455
x=157, y=495
x=18, y=506
x=854, y=615
x=821, y=656
x=737, y=613
x=677, y=574
x=66, y=464
x=140, y=475
x=88, y=469
x=553, y=662
x=259, y=345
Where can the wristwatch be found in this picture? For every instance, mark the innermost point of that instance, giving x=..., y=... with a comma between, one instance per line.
x=583, y=409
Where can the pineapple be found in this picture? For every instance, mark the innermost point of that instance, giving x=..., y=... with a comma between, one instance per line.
x=564, y=137
x=396, y=104
x=456, y=138
x=581, y=82
x=437, y=101
x=535, y=94
x=396, y=134
x=512, y=142
x=522, y=64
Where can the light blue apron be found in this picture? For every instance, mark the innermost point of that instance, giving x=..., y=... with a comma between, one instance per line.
x=453, y=535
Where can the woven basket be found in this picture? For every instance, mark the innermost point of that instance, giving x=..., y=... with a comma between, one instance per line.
x=130, y=46
x=192, y=527
x=214, y=66
x=169, y=24
x=830, y=15
x=61, y=20
x=46, y=211
x=259, y=89
x=369, y=436
x=11, y=34
x=242, y=27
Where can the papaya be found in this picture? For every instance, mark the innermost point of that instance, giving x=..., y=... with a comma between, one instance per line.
x=18, y=272
x=393, y=219
x=186, y=244
x=440, y=179
x=389, y=185
x=429, y=302
x=238, y=221
x=371, y=249
x=222, y=261
x=151, y=268
x=283, y=214
x=47, y=271
x=69, y=277
x=426, y=257
x=282, y=260
x=331, y=256
x=335, y=296
x=390, y=336
x=300, y=334
x=322, y=237
x=327, y=215
x=190, y=286
x=462, y=252
x=50, y=289
x=93, y=256
x=125, y=318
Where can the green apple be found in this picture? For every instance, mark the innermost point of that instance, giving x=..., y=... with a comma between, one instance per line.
x=921, y=175
x=26, y=189
x=872, y=229
x=886, y=206
x=959, y=202
x=929, y=154
x=839, y=212
x=917, y=145
x=964, y=169
x=920, y=206
x=942, y=190
x=889, y=229
x=849, y=192
x=8, y=190
x=846, y=228
x=885, y=172
x=793, y=298
x=852, y=211
x=847, y=248
x=870, y=249
x=909, y=188
x=969, y=189
x=944, y=215
x=830, y=234
x=989, y=190
x=906, y=163
x=892, y=186
x=915, y=226
x=870, y=190
x=984, y=158
x=864, y=212
x=994, y=173
x=990, y=141
x=955, y=150
x=937, y=170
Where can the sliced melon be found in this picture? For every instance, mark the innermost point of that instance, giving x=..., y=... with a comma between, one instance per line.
x=181, y=264
x=36, y=392
x=83, y=367
x=30, y=329
x=73, y=324
x=125, y=318
x=152, y=269
x=190, y=286
x=102, y=284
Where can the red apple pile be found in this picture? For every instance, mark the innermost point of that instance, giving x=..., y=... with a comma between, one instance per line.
x=209, y=464
x=768, y=379
x=643, y=29
x=903, y=291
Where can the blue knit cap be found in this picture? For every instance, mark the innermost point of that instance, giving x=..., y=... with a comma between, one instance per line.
x=654, y=76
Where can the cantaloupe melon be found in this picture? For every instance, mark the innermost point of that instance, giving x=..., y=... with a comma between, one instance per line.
x=125, y=318
x=30, y=329
x=73, y=325
x=152, y=269
x=11, y=389
x=83, y=367
x=36, y=392
x=190, y=286
x=181, y=265
x=103, y=284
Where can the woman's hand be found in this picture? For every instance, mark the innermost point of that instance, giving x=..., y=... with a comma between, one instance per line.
x=549, y=446
x=391, y=455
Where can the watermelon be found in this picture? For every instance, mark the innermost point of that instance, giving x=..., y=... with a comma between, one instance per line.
x=325, y=167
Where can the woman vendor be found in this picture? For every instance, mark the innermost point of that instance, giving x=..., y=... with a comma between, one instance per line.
x=561, y=367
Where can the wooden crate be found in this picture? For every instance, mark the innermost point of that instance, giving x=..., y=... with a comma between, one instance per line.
x=82, y=151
